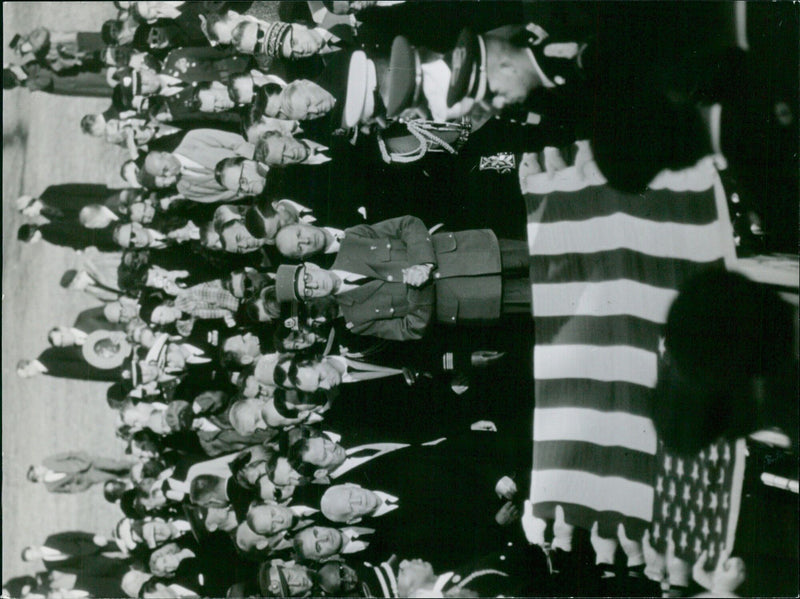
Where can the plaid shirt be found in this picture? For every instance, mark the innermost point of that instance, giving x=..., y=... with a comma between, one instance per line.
x=207, y=300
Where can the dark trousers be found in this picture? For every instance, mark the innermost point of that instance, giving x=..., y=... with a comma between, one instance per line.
x=515, y=259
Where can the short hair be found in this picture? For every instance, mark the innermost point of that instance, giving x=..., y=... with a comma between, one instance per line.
x=202, y=488
x=110, y=31
x=132, y=274
x=113, y=490
x=234, y=411
x=259, y=453
x=226, y=163
x=254, y=217
x=238, y=32
x=10, y=79
x=87, y=122
x=232, y=92
x=261, y=152
x=166, y=549
x=229, y=360
x=149, y=303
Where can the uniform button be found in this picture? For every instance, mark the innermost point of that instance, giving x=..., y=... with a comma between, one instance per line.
x=559, y=80
x=373, y=247
x=349, y=325
x=391, y=310
x=502, y=557
x=390, y=278
x=388, y=246
x=377, y=309
x=438, y=275
x=452, y=318
x=510, y=544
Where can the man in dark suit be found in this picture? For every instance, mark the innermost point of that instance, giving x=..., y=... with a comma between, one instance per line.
x=380, y=277
x=192, y=165
x=452, y=497
x=198, y=64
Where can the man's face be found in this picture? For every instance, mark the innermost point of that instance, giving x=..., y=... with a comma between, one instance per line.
x=301, y=42
x=215, y=99
x=413, y=575
x=304, y=99
x=165, y=564
x=510, y=78
x=284, y=150
x=247, y=44
x=348, y=503
x=285, y=475
x=220, y=519
x=133, y=235
x=300, y=240
x=313, y=281
x=149, y=81
x=337, y=579
x=222, y=29
x=246, y=179
x=175, y=358
x=265, y=313
x=296, y=577
x=158, y=530
x=163, y=167
x=142, y=212
x=244, y=88
x=237, y=239
x=320, y=542
x=269, y=519
x=324, y=453
x=165, y=315
x=249, y=418
x=269, y=491
x=251, y=473
x=298, y=340
x=320, y=375
x=243, y=345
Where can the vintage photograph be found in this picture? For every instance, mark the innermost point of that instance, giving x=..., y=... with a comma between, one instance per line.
x=412, y=298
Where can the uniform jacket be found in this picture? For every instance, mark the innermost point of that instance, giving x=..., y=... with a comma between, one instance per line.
x=466, y=279
x=207, y=147
x=198, y=64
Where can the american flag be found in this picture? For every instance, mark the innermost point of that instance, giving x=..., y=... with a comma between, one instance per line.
x=697, y=501
x=605, y=267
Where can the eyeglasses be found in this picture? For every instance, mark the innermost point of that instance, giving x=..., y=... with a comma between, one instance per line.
x=308, y=290
x=244, y=184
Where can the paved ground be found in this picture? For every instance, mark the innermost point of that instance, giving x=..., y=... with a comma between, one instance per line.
x=43, y=145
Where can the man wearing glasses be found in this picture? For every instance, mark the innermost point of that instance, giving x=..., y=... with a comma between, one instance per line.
x=393, y=278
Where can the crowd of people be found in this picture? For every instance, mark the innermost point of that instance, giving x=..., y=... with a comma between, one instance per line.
x=314, y=294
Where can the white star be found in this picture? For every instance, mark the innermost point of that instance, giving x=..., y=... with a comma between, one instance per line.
x=678, y=515
x=705, y=530
x=706, y=481
x=684, y=541
x=712, y=550
x=665, y=510
x=725, y=501
x=695, y=472
x=698, y=547
x=726, y=454
x=672, y=492
x=699, y=501
x=667, y=464
x=659, y=484
x=662, y=346
x=718, y=526
x=692, y=521
x=721, y=477
x=657, y=531
x=712, y=501
x=713, y=454
x=687, y=493
x=679, y=468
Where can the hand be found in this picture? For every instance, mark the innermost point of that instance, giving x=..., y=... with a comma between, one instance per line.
x=487, y=426
x=528, y=166
x=506, y=488
x=583, y=157
x=417, y=275
x=482, y=358
x=507, y=514
x=553, y=161
x=414, y=113
x=655, y=565
x=531, y=525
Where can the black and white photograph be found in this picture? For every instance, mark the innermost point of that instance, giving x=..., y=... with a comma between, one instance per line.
x=405, y=298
